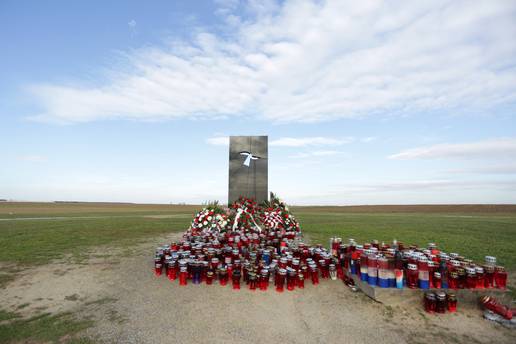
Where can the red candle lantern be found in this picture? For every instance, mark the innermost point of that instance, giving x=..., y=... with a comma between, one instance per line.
x=479, y=271
x=430, y=302
x=283, y=263
x=305, y=271
x=314, y=274
x=500, y=277
x=158, y=266
x=235, y=277
x=437, y=280
x=172, y=270
x=462, y=277
x=489, y=276
x=252, y=281
x=440, y=306
x=183, y=275
x=453, y=280
x=264, y=279
x=223, y=276
x=209, y=277
x=300, y=280
x=412, y=276
x=215, y=263
x=333, y=272
x=471, y=278
x=280, y=280
x=452, y=302
x=291, y=279
x=494, y=306
x=432, y=267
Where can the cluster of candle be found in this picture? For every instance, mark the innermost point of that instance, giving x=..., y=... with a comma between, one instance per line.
x=440, y=302
x=259, y=260
x=396, y=266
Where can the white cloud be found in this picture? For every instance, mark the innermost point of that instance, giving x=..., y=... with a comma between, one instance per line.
x=218, y=141
x=504, y=148
x=33, y=158
x=309, y=141
x=291, y=142
x=323, y=153
x=368, y=139
x=491, y=169
x=311, y=61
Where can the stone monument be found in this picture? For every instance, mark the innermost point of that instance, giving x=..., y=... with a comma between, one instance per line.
x=248, y=168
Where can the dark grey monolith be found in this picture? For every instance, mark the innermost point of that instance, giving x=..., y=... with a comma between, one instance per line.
x=248, y=168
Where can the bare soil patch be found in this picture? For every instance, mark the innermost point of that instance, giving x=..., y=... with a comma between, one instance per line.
x=130, y=305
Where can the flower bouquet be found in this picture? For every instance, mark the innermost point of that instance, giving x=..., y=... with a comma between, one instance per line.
x=210, y=219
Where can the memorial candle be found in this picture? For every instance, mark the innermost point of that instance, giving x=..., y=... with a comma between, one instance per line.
x=500, y=277
x=209, y=277
x=158, y=266
x=264, y=279
x=300, y=280
x=489, y=276
x=430, y=302
x=372, y=269
x=412, y=276
x=252, y=281
x=314, y=274
x=183, y=275
x=280, y=280
x=236, y=279
x=333, y=272
x=471, y=278
x=423, y=274
x=291, y=279
x=479, y=271
x=440, y=302
x=452, y=302
x=491, y=304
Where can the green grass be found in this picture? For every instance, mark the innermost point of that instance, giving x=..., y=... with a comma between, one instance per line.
x=472, y=235
x=23, y=242
x=39, y=241
x=41, y=328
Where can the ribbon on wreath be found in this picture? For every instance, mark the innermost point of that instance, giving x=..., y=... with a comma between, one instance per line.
x=239, y=213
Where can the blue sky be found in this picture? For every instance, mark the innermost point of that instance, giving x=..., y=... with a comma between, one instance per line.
x=368, y=102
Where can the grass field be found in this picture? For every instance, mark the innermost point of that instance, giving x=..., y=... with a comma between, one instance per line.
x=35, y=233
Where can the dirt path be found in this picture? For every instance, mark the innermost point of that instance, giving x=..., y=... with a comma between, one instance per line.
x=130, y=305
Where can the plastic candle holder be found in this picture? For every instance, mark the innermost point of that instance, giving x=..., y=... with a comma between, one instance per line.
x=452, y=302
x=500, y=277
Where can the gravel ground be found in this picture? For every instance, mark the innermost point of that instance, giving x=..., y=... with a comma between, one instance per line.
x=155, y=310
x=131, y=305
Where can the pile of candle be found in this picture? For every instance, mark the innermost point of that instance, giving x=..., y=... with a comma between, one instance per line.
x=246, y=244
x=262, y=245
x=396, y=266
x=258, y=261
x=440, y=302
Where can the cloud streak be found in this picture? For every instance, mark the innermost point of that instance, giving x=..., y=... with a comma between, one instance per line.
x=309, y=141
x=218, y=141
x=496, y=148
x=310, y=61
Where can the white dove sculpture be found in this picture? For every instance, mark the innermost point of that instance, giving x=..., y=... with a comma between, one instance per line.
x=249, y=157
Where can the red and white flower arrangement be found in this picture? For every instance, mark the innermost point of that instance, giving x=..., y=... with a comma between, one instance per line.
x=211, y=218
